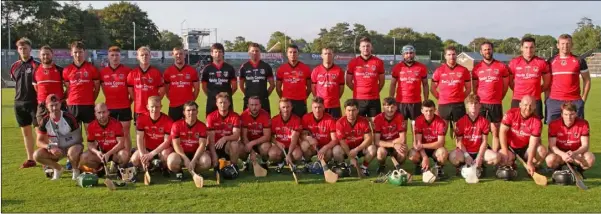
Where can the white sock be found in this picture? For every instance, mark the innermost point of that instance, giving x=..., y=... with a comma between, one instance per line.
x=75, y=174
x=57, y=174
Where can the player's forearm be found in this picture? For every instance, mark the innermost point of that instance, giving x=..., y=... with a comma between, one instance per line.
x=381, y=83
x=205, y=89
x=278, y=88
x=434, y=145
x=468, y=88
x=271, y=87
x=532, y=142
x=586, y=89
x=313, y=90
x=201, y=149
x=161, y=147
x=241, y=86
x=345, y=147
x=234, y=86
x=392, y=89
x=426, y=89
x=233, y=137
x=115, y=149
x=583, y=147
x=140, y=142
x=349, y=82
x=195, y=93
x=162, y=91
x=341, y=91
x=96, y=90
x=481, y=151
x=92, y=147
x=503, y=137
x=434, y=90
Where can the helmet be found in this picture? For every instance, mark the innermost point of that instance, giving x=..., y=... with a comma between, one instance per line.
x=563, y=177
x=87, y=179
x=507, y=173
x=128, y=174
x=316, y=168
x=229, y=172
x=155, y=165
x=398, y=178
x=342, y=170
x=408, y=48
x=467, y=170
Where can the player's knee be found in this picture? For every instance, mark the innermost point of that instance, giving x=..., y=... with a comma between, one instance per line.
x=491, y=157
x=275, y=154
x=297, y=154
x=204, y=162
x=371, y=151
x=381, y=153
x=305, y=145
x=174, y=162
x=541, y=152
x=338, y=153
x=122, y=156
x=552, y=160
x=264, y=149
x=441, y=155
x=456, y=157
x=590, y=160
x=75, y=151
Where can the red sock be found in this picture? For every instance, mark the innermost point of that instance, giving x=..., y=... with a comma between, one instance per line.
x=365, y=163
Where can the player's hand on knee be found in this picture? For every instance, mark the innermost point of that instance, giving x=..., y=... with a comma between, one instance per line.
x=425, y=164
x=56, y=151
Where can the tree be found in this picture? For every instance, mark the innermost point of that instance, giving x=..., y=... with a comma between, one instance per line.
x=80, y=25
x=280, y=40
x=457, y=45
x=32, y=19
x=118, y=19
x=545, y=44
x=510, y=45
x=239, y=45
x=169, y=40
x=586, y=37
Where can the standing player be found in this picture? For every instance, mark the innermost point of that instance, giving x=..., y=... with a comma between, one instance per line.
x=82, y=81
x=450, y=85
x=113, y=79
x=525, y=74
x=47, y=79
x=286, y=133
x=565, y=84
x=521, y=132
x=256, y=131
x=217, y=77
x=25, y=96
x=224, y=132
x=412, y=79
x=294, y=82
x=152, y=135
x=491, y=81
x=328, y=82
x=365, y=77
x=354, y=134
x=254, y=76
x=430, y=131
x=189, y=136
x=319, y=135
x=143, y=82
x=181, y=84
x=390, y=133
x=569, y=140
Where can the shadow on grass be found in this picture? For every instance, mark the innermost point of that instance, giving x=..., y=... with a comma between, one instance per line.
x=12, y=202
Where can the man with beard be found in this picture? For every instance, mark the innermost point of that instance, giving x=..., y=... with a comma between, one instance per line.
x=219, y=76
x=365, y=77
x=181, y=84
x=328, y=83
x=294, y=82
x=286, y=128
x=47, y=79
x=256, y=131
x=254, y=76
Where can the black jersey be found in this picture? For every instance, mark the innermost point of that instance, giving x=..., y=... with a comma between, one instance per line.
x=255, y=77
x=22, y=73
x=218, y=78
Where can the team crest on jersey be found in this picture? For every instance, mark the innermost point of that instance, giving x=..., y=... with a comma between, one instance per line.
x=218, y=74
x=45, y=71
x=496, y=71
x=187, y=76
x=149, y=80
x=373, y=67
x=121, y=76
x=535, y=69
x=459, y=74
x=28, y=70
x=197, y=135
x=225, y=74
x=575, y=134
x=262, y=71
x=110, y=134
x=564, y=62
x=161, y=129
x=85, y=74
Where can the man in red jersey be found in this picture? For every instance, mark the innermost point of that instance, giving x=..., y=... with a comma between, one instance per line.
x=224, y=133
x=143, y=82
x=520, y=131
x=328, y=82
x=525, y=74
x=105, y=141
x=472, y=136
x=293, y=81
x=354, y=134
x=319, y=132
x=491, y=81
x=47, y=79
x=113, y=80
x=390, y=133
x=565, y=85
x=451, y=82
x=82, y=81
x=218, y=76
x=256, y=132
x=152, y=136
x=409, y=80
x=430, y=131
x=286, y=129
x=189, y=140
x=181, y=84
x=569, y=141
x=365, y=77
x=254, y=76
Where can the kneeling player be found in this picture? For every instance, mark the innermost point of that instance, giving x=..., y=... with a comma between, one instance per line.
x=286, y=128
x=256, y=132
x=105, y=141
x=59, y=135
x=189, y=136
x=152, y=136
x=354, y=134
x=319, y=135
x=520, y=131
x=224, y=133
x=389, y=130
x=430, y=131
x=569, y=141
x=472, y=135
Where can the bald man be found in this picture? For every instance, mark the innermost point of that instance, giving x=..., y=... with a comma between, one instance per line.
x=520, y=131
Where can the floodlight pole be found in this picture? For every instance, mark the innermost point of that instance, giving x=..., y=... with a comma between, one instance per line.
x=134, y=23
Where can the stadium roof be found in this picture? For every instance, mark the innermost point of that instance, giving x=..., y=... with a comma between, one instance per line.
x=498, y=56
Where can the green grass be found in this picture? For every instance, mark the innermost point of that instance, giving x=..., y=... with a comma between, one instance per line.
x=27, y=190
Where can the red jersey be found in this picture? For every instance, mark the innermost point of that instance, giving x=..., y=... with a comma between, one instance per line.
x=409, y=79
x=222, y=125
x=181, y=84
x=145, y=84
x=48, y=81
x=430, y=130
x=320, y=129
x=352, y=134
x=472, y=132
x=366, y=76
x=527, y=76
x=389, y=129
x=294, y=80
x=282, y=130
x=254, y=125
x=154, y=131
x=490, y=81
x=451, y=83
x=565, y=72
x=114, y=86
x=327, y=84
x=81, y=83
x=521, y=128
x=106, y=136
x=189, y=135
x=568, y=138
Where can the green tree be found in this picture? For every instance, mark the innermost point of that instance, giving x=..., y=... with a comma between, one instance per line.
x=279, y=40
x=33, y=19
x=545, y=44
x=586, y=37
x=457, y=45
x=510, y=46
x=80, y=25
x=169, y=40
x=239, y=45
x=118, y=19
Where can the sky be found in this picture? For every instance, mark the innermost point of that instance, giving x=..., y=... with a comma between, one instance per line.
x=461, y=21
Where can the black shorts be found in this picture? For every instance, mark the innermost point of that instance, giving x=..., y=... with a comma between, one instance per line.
x=492, y=112
x=299, y=107
x=222, y=154
x=539, y=107
x=264, y=104
x=335, y=112
x=136, y=115
x=521, y=152
x=190, y=155
x=211, y=105
x=451, y=111
x=122, y=115
x=359, y=155
x=25, y=112
x=176, y=113
x=82, y=113
x=369, y=108
x=430, y=153
x=410, y=110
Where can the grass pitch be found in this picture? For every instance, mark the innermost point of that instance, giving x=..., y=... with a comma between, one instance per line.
x=27, y=190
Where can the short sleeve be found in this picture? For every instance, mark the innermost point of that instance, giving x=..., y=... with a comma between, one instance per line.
x=377, y=125
x=552, y=131
x=166, y=76
x=298, y=126
x=466, y=75
x=95, y=73
x=395, y=71
x=175, y=131
x=380, y=67
x=91, y=136
x=585, y=131
x=139, y=124
x=66, y=75
x=194, y=75
x=210, y=125
x=341, y=78
x=365, y=128
x=475, y=72
x=459, y=129
x=305, y=123
x=485, y=128
x=424, y=72
x=544, y=67
x=160, y=82
x=506, y=119
x=280, y=73
x=307, y=72
x=231, y=76
x=268, y=71
x=339, y=130
x=241, y=72
x=130, y=79
x=167, y=127
x=442, y=128
x=350, y=67
x=583, y=66
x=401, y=126
x=314, y=76
x=203, y=130
x=236, y=122
x=119, y=130
x=436, y=76
x=418, y=127
x=536, y=128
x=505, y=71
x=510, y=67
